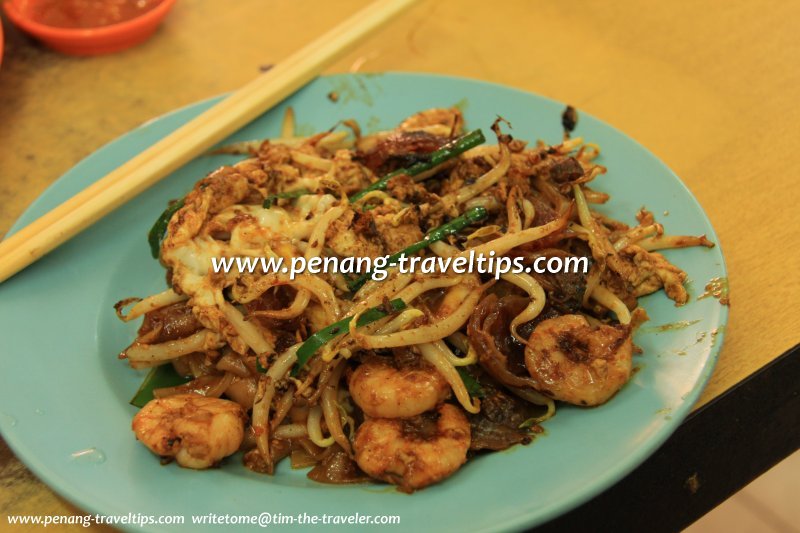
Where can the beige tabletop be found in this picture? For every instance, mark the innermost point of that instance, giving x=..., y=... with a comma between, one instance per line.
x=711, y=88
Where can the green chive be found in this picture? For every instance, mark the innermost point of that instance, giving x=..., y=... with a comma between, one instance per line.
x=454, y=148
x=323, y=336
x=158, y=378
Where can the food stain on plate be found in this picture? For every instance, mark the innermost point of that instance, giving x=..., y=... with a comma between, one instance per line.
x=89, y=455
x=666, y=412
x=7, y=420
x=354, y=88
x=669, y=326
x=462, y=105
x=701, y=336
x=715, y=333
x=717, y=288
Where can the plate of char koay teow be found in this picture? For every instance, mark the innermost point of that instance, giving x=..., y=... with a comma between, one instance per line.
x=170, y=385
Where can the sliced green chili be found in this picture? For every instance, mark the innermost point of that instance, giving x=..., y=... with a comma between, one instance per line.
x=323, y=336
x=469, y=217
x=269, y=200
x=158, y=378
x=450, y=150
x=159, y=229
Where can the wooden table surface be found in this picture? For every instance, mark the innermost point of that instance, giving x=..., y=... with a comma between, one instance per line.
x=711, y=88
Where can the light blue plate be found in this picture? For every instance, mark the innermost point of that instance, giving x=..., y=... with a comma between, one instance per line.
x=64, y=391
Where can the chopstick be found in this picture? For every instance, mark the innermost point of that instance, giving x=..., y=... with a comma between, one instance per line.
x=190, y=140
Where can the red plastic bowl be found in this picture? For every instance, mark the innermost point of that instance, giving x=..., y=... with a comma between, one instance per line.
x=90, y=41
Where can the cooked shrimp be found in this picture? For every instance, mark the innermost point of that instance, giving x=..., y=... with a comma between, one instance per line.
x=577, y=363
x=196, y=430
x=414, y=453
x=383, y=390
